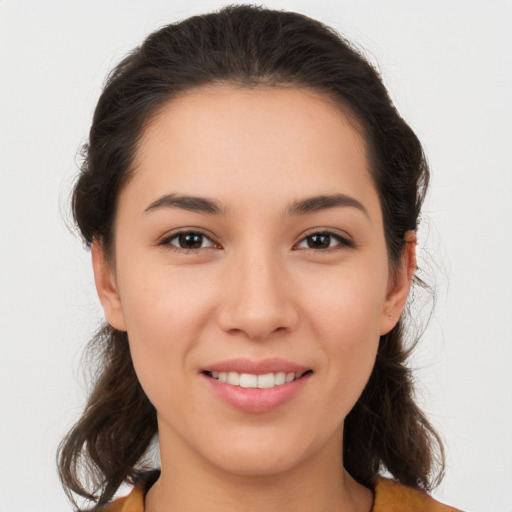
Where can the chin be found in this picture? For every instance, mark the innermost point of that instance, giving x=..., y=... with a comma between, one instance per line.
x=257, y=464
x=264, y=454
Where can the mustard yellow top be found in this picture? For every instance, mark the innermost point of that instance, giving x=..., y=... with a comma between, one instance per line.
x=390, y=496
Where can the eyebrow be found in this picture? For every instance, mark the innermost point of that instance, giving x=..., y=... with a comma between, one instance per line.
x=191, y=203
x=324, y=202
x=212, y=207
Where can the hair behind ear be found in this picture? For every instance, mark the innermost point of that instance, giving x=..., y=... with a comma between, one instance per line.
x=116, y=427
x=386, y=429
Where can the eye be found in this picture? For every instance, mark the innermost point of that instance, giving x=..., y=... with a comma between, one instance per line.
x=188, y=241
x=324, y=240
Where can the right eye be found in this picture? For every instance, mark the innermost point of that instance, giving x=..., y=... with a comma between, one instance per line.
x=188, y=241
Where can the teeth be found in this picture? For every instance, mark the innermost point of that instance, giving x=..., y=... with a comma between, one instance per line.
x=248, y=380
x=233, y=379
x=266, y=381
x=280, y=378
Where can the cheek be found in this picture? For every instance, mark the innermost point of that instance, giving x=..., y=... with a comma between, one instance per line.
x=165, y=311
x=159, y=299
x=344, y=316
x=346, y=302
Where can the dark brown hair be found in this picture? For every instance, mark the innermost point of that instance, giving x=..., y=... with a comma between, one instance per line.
x=246, y=46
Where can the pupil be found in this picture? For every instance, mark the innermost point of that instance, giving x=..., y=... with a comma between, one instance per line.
x=319, y=241
x=191, y=240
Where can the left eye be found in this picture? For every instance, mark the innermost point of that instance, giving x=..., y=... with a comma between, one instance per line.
x=189, y=240
x=322, y=240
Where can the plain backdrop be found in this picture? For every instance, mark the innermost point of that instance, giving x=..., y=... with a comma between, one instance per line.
x=448, y=67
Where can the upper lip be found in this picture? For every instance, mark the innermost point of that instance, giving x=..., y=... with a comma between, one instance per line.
x=261, y=367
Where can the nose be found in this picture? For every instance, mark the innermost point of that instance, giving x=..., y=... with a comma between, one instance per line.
x=258, y=298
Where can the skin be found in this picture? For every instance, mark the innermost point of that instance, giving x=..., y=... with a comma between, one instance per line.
x=254, y=288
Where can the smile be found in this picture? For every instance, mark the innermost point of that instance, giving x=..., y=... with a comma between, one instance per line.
x=256, y=386
x=249, y=380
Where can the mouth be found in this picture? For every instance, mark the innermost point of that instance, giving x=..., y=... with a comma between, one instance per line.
x=256, y=381
x=257, y=386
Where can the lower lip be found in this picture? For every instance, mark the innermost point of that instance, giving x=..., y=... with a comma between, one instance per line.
x=257, y=400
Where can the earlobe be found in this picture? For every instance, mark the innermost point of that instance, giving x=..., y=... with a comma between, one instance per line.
x=400, y=286
x=106, y=286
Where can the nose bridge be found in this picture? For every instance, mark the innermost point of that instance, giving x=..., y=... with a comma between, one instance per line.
x=256, y=298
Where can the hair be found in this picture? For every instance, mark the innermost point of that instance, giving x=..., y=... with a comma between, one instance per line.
x=246, y=46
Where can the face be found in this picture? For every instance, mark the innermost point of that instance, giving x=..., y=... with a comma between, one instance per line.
x=251, y=275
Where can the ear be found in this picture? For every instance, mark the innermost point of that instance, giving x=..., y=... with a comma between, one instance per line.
x=106, y=286
x=399, y=285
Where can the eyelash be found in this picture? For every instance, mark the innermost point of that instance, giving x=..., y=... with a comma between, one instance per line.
x=342, y=242
x=167, y=241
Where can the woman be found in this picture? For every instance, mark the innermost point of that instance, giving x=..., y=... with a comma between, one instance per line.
x=250, y=196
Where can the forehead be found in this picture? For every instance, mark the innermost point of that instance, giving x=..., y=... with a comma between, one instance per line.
x=210, y=107
x=225, y=140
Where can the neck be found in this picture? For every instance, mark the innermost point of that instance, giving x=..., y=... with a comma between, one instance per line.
x=188, y=482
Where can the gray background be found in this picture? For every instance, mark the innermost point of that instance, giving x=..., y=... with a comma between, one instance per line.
x=448, y=68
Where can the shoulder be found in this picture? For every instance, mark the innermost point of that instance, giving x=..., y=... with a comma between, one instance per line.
x=134, y=502
x=390, y=496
